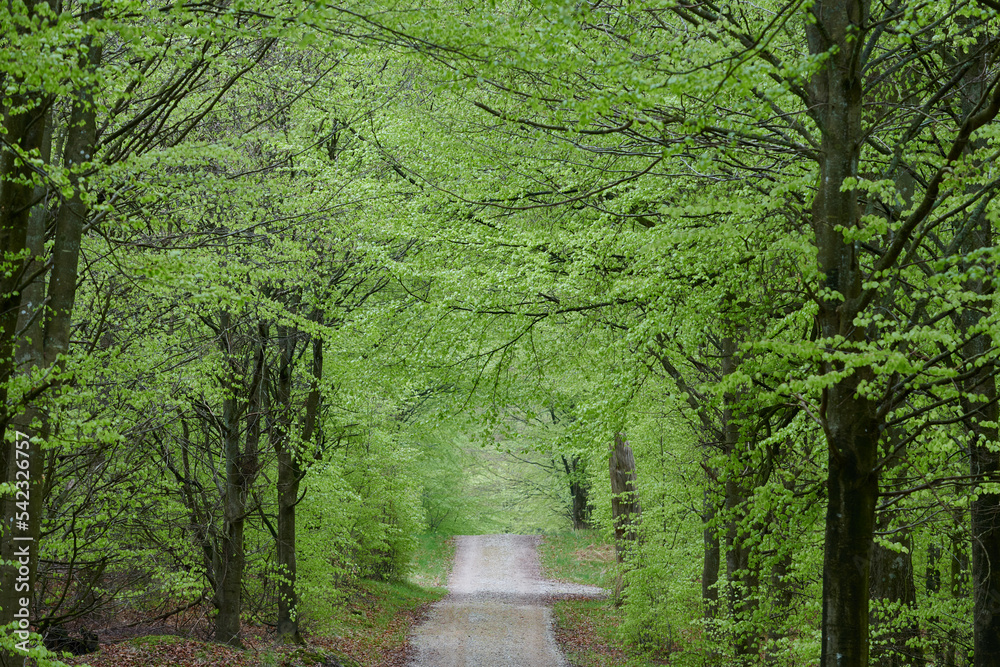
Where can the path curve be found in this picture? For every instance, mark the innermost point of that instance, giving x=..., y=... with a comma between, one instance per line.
x=495, y=614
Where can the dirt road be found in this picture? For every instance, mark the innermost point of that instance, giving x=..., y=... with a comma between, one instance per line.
x=495, y=613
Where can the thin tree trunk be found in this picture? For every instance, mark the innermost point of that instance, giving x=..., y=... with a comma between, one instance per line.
x=710, y=578
x=311, y=426
x=241, y=469
x=579, y=493
x=742, y=579
x=712, y=558
x=782, y=592
x=958, y=583
x=289, y=476
x=229, y=569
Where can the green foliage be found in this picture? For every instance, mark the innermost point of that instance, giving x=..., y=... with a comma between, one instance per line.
x=510, y=231
x=36, y=650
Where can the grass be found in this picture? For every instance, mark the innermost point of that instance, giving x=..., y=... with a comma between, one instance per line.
x=371, y=627
x=587, y=630
x=155, y=640
x=581, y=557
x=432, y=560
x=374, y=622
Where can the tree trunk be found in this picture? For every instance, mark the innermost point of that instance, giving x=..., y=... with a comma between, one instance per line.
x=579, y=492
x=782, y=590
x=27, y=130
x=229, y=570
x=241, y=469
x=625, y=507
x=982, y=413
x=985, y=516
x=847, y=554
x=892, y=582
x=710, y=578
x=932, y=583
x=710, y=567
x=46, y=333
x=289, y=475
x=851, y=429
x=29, y=355
x=742, y=579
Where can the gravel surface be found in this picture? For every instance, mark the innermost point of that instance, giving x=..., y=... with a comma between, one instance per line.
x=495, y=614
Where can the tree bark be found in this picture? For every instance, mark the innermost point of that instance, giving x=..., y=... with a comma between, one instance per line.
x=979, y=405
x=625, y=506
x=579, y=493
x=849, y=419
x=741, y=576
x=892, y=581
x=958, y=583
x=782, y=590
x=28, y=356
x=290, y=474
x=984, y=465
x=712, y=558
x=229, y=570
x=241, y=469
x=26, y=128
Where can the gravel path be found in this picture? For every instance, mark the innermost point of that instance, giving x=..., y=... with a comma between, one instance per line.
x=495, y=614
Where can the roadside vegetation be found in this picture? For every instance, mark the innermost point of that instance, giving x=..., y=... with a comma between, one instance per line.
x=589, y=631
x=368, y=627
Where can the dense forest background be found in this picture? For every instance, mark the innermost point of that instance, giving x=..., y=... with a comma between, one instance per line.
x=288, y=283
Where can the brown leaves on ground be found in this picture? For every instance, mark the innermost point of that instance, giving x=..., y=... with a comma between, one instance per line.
x=583, y=628
x=169, y=651
x=596, y=553
x=386, y=646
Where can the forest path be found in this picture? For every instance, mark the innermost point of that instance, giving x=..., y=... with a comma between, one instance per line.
x=496, y=614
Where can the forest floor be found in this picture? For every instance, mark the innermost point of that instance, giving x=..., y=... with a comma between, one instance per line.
x=369, y=627
x=373, y=625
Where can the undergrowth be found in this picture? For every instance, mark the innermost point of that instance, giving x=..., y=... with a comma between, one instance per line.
x=587, y=630
x=367, y=625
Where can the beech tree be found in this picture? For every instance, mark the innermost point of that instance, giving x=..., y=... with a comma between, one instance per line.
x=819, y=110
x=161, y=111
